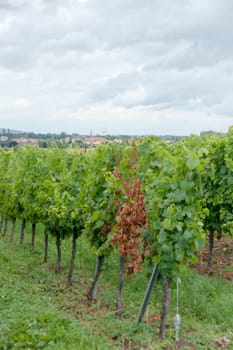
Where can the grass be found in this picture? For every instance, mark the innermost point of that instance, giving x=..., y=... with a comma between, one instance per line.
x=39, y=311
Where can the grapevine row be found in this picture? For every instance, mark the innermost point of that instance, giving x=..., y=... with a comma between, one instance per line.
x=154, y=202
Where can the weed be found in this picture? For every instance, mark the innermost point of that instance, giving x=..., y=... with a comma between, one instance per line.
x=40, y=311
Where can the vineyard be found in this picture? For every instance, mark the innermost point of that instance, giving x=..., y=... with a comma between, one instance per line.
x=125, y=208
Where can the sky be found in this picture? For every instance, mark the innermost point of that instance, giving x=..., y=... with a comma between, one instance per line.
x=135, y=67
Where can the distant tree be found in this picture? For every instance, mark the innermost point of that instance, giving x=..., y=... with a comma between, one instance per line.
x=210, y=132
x=10, y=143
x=63, y=135
x=43, y=144
x=80, y=144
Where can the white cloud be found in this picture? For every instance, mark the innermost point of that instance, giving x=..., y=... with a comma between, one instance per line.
x=155, y=65
x=17, y=103
x=146, y=120
x=22, y=103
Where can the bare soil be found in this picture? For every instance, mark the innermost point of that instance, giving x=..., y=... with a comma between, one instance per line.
x=222, y=263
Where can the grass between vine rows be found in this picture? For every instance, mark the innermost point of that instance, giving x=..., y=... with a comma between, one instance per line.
x=39, y=311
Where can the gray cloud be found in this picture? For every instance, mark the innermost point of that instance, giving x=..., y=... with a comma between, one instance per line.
x=12, y=5
x=72, y=58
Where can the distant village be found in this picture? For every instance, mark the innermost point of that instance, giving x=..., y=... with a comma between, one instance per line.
x=11, y=138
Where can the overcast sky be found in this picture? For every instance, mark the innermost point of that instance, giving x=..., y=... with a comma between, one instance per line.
x=116, y=66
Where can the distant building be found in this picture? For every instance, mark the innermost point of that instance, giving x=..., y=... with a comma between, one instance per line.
x=118, y=141
x=95, y=140
x=26, y=141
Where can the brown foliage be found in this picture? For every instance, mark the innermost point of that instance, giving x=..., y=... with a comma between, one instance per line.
x=132, y=218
